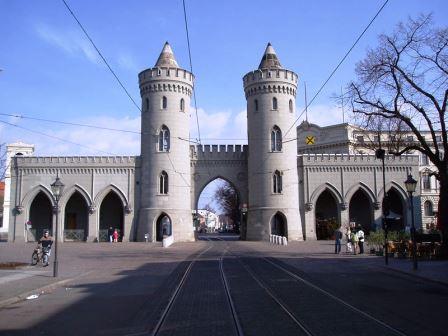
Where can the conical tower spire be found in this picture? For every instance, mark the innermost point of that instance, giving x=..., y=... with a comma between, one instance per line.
x=269, y=59
x=166, y=58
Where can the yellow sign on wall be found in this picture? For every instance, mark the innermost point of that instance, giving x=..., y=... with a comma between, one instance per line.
x=310, y=140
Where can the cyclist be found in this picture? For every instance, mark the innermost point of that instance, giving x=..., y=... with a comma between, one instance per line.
x=45, y=242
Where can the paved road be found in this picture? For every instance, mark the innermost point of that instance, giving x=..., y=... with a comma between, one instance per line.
x=225, y=287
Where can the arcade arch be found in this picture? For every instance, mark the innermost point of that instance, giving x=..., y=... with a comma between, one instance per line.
x=327, y=216
x=76, y=218
x=361, y=211
x=111, y=215
x=41, y=216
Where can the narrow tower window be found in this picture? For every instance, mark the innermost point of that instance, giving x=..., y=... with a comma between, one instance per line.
x=276, y=139
x=163, y=183
x=164, y=139
x=291, y=106
x=277, y=182
x=164, y=102
x=147, y=104
x=428, y=209
x=182, y=104
x=274, y=103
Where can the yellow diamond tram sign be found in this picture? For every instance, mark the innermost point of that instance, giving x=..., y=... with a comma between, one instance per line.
x=310, y=140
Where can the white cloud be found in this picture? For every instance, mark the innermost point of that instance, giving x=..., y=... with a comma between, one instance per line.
x=212, y=126
x=322, y=115
x=70, y=41
x=80, y=140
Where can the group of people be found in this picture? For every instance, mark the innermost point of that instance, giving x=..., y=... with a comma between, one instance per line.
x=355, y=240
x=113, y=235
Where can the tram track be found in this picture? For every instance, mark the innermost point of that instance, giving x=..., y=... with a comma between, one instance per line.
x=299, y=320
x=168, y=318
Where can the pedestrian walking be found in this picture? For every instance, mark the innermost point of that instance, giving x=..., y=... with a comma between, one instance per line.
x=348, y=237
x=337, y=241
x=110, y=233
x=354, y=241
x=360, y=235
x=115, y=235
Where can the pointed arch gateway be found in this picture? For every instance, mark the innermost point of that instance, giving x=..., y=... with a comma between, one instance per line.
x=76, y=218
x=163, y=227
x=111, y=215
x=279, y=226
x=40, y=216
x=361, y=211
x=327, y=215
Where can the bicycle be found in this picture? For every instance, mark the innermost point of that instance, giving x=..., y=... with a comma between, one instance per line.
x=40, y=254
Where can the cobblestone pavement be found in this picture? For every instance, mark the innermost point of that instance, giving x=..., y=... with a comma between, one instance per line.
x=299, y=289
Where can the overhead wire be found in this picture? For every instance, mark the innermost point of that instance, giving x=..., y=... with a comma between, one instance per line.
x=339, y=64
x=118, y=80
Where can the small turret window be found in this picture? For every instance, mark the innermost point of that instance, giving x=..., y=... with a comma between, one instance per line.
x=256, y=105
x=164, y=139
x=276, y=139
x=291, y=106
x=147, y=104
x=428, y=209
x=274, y=103
x=182, y=104
x=163, y=183
x=277, y=182
x=164, y=102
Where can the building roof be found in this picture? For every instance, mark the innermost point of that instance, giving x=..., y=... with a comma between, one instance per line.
x=270, y=59
x=166, y=58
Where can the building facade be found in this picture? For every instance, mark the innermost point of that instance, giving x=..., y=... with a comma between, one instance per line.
x=295, y=182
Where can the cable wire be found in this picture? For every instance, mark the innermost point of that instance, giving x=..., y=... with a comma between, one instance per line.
x=339, y=64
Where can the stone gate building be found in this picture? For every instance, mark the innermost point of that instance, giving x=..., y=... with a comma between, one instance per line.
x=295, y=183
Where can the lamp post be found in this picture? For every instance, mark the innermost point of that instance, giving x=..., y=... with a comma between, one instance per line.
x=380, y=154
x=411, y=184
x=56, y=187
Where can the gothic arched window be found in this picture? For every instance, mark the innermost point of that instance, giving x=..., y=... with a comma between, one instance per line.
x=291, y=106
x=164, y=102
x=274, y=103
x=163, y=183
x=277, y=182
x=428, y=211
x=182, y=104
x=164, y=139
x=276, y=139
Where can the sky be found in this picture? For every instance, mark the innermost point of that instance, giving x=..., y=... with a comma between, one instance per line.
x=50, y=70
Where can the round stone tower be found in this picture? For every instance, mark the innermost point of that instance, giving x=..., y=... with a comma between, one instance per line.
x=272, y=161
x=165, y=162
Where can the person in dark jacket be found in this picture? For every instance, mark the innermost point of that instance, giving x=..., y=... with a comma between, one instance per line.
x=337, y=241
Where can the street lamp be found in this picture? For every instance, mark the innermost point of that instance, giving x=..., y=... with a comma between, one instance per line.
x=380, y=154
x=56, y=187
x=411, y=184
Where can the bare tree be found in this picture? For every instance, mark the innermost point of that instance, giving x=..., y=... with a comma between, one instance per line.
x=402, y=88
x=227, y=198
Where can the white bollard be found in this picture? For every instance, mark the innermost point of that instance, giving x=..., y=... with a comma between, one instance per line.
x=285, y=241
x=277, y=239
x=270, y=239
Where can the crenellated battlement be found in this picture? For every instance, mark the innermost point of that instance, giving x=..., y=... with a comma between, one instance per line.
x=71, y=161
x=218, y=152
x=270, y=81
x=358, y=159
x=155, y=80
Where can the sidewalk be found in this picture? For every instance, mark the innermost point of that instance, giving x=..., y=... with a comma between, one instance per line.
x=75, y=261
